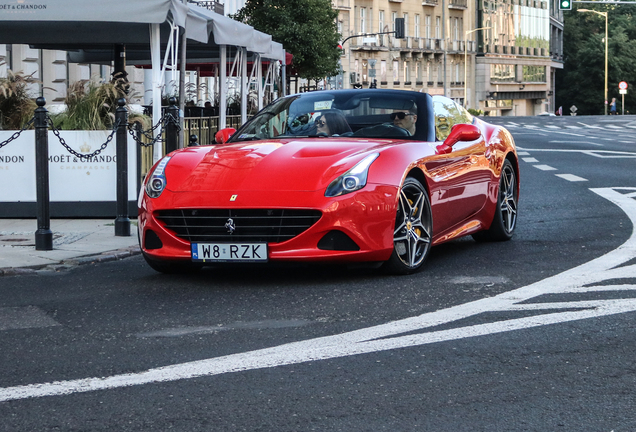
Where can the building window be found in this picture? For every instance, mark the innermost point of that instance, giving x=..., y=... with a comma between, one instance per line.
x=407, y=73
x=534, y=74
x=438, y=27
x=393, y=18
x=427, y=27
x=417, y=25
x=502, y=73
x=382, y=70
x=363, y=23
x=396, y=66
x=406, y=25
x=381, y=26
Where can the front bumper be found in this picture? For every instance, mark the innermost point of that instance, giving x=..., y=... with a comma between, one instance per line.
x=367, y=217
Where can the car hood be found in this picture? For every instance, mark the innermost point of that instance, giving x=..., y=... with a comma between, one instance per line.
x=308, y=164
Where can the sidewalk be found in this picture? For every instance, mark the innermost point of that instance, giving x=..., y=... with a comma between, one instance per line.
x=75, y=241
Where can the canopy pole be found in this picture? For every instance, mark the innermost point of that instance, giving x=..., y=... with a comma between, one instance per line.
x=244, y=84
x=182, y=76
x=259, y=80
x=283, y=74
x=155, y=56
x=223, y=87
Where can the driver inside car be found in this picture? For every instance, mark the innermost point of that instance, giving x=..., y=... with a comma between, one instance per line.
x=405, y=119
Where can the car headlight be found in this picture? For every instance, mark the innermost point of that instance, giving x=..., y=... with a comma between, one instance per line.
x=157, y=181
x=352, y=180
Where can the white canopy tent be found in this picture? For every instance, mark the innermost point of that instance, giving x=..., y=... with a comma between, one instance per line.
x=85, y=26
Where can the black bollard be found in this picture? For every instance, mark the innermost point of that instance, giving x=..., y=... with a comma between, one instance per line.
x=194, y=140
x=122, y=223
x=43, y=235
x=172, y=126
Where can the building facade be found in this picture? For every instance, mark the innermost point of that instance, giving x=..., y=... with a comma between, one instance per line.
x=498, y=56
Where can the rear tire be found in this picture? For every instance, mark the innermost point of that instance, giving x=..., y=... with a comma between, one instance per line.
x=413, y=232
x=504, y=221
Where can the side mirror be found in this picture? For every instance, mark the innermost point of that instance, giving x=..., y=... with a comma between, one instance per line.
x=222, y=136
x=459, y=133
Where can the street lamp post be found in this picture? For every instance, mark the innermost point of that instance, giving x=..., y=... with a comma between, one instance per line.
x=466, y=62
x=606, y=39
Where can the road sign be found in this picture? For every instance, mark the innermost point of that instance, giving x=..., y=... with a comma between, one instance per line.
x=622, y=85
x=622, y=91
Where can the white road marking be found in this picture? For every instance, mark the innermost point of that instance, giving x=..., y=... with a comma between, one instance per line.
x=552, y=131
x=571, y=177
x=545, y=167
x=523, y=153
x=576, y=142
x=529, y=159
x=392, y=335
x=603, y=154
x=589, y=126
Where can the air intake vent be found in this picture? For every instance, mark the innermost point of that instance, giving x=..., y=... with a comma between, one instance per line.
x=238, y=225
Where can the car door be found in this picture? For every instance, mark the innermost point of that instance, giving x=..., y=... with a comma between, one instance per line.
x=461, y=177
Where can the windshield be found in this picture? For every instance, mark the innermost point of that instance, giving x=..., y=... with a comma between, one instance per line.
x=373, y=114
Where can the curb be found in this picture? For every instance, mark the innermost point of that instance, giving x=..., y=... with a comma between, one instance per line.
x=68, y=263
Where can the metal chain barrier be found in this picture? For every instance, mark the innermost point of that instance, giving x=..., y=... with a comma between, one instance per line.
x=56, y=132
x=18, y=133
x=148, y=133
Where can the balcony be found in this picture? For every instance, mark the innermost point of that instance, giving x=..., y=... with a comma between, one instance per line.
x=457, y=45
x=458, y=4
x=342, y=4
x=212, y=5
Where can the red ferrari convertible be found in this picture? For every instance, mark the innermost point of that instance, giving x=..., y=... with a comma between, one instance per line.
x=348, y=175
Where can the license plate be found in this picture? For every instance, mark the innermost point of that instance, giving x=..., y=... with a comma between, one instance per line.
x=226, y=252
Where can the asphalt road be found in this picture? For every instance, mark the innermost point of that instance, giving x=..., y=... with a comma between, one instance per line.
x=535, y=334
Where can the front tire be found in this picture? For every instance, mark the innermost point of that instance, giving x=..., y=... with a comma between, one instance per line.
x=505, y=219
x=413, y=233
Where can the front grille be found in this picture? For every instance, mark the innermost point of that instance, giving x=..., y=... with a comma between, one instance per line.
x=249, y=225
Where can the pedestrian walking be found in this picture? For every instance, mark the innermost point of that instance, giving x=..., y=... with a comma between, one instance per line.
x=613, y=107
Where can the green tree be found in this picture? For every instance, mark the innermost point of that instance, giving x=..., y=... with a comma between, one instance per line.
x=582, y=80
x=306, y=28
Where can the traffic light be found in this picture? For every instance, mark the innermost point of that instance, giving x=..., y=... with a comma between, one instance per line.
x=565, y=4
x=399, y=28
